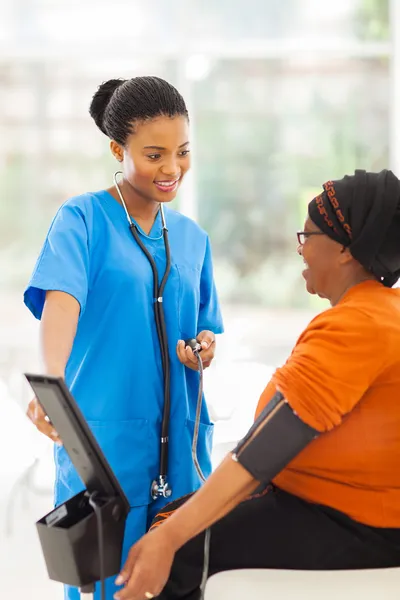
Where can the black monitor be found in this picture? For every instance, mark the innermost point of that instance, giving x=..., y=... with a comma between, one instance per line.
x=70, y=533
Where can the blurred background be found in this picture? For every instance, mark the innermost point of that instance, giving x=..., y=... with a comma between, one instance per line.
x=282, y=95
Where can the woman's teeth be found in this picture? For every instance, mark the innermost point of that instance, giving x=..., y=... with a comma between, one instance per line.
x=167, y=186
x=166, y=183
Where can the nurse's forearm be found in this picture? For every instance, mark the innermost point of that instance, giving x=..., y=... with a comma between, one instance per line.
x=57, y=331
x=229, y=485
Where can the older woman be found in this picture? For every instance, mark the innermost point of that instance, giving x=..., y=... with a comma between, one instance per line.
x=326, y=441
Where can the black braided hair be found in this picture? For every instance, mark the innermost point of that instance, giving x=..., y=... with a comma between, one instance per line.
x=119, y=103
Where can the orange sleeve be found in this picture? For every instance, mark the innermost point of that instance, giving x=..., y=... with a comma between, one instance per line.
x=265, y=397
x=334, y=362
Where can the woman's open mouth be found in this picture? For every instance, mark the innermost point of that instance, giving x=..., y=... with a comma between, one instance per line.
x=306, y=270
x=167, y=186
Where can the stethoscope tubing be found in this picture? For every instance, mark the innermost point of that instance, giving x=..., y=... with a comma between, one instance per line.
x=158, y=292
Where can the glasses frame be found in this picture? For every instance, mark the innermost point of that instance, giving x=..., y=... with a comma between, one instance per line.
x=303, y=235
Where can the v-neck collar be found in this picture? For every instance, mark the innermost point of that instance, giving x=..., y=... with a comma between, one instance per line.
x=155, y=232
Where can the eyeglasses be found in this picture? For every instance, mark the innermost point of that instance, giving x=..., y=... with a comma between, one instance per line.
x=303, y=235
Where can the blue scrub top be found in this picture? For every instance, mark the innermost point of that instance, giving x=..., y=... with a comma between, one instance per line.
x=114, y=370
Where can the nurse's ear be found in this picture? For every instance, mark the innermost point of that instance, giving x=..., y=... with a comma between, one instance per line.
x=117, y=151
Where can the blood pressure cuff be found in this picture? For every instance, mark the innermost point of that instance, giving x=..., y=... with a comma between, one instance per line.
x=275, y=438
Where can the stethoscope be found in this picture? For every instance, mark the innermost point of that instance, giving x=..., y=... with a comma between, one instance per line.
x=160, y=487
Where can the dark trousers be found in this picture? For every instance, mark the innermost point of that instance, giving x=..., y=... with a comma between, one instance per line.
x=279, y=531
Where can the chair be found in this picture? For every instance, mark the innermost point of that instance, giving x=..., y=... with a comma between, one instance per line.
x=244, y=584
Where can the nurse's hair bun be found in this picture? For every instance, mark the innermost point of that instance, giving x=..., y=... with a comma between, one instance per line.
x=101, y=100
x=120, y=104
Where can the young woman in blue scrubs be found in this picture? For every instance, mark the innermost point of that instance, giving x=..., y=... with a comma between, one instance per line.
x=92, y=288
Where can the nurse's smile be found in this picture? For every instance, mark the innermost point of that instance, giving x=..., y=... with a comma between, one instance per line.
x=167, y=186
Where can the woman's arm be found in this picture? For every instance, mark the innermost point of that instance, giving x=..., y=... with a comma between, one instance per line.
x=149, y=562
x=57, y=333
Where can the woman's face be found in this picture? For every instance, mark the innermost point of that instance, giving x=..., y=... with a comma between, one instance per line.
x=156, y=157
x=323, y=258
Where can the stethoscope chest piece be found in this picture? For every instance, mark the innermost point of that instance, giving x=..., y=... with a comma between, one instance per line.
x=160, y=488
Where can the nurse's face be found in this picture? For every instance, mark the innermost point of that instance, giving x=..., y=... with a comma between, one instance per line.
x=156, y=157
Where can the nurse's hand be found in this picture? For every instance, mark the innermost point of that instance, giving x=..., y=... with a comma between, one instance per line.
x=147, y=567
x=186, y=356
x=41, y=421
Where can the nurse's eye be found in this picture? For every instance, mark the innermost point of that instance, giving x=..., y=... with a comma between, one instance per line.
x=154, y=156
x=184, y=153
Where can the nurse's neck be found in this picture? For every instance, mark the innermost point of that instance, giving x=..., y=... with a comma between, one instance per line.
x=142, y=209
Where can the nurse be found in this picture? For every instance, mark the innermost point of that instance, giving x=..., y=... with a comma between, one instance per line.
x=92, y=289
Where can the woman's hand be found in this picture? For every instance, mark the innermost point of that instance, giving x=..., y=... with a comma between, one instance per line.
x=185, y=354
x=38, y=417
x=147, y=567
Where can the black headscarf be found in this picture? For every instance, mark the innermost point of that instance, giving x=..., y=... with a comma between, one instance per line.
x=362, y=212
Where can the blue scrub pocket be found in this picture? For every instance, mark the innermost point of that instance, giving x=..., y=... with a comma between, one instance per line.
x=131, y=453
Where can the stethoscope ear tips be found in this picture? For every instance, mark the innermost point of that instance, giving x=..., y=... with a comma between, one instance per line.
x=193, y=344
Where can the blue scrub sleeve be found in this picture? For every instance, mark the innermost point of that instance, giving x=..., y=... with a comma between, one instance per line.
x=63, y=263
x=210, y=317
